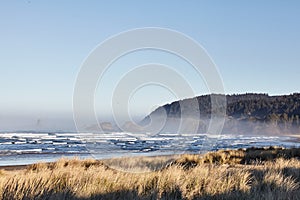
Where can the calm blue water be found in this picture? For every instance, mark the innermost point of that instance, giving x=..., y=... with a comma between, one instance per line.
x=30, y=147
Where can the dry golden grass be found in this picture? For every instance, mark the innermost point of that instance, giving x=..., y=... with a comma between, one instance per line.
x=140, y=164
x=273, y=174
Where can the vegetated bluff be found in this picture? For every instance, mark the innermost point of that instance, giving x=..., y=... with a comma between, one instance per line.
x=245, y=113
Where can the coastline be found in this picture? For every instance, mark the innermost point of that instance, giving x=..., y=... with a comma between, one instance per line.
x=253, y=153
x=13, y=167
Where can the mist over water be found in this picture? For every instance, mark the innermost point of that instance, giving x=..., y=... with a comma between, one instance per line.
x=47, y=139
x=165, y=131
x=58, y=122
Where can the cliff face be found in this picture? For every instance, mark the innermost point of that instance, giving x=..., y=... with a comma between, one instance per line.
x=245, y=113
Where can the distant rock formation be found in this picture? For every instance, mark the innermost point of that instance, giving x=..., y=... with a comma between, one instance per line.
x=245, y=114
x=105, y=126
x=132, y=127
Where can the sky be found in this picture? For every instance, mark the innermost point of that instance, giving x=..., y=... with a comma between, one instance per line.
x=254, y=44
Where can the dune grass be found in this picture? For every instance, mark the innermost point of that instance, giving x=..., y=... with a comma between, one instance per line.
x=270, y=173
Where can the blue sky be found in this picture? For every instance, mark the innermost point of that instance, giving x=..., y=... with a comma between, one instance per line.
x=255, y=44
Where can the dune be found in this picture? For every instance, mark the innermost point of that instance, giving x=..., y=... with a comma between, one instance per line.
x=255, y=173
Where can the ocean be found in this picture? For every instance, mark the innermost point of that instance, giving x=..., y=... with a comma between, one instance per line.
x=19, y=148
